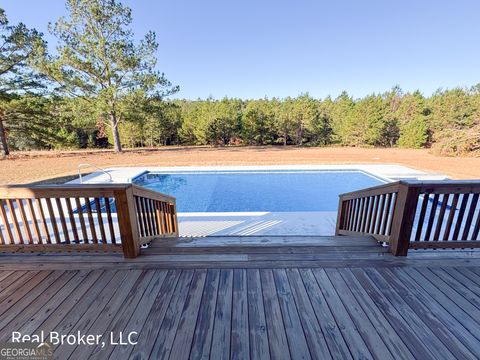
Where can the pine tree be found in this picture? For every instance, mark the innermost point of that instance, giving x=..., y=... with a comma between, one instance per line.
x=99, y=61
x=18, y=45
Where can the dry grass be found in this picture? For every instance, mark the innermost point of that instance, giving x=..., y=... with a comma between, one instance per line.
x=24, y=167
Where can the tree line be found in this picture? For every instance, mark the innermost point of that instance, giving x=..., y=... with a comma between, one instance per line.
x=448, y=121
x=101, y=89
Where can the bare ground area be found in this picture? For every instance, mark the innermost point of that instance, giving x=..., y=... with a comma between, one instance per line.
x=24, y=167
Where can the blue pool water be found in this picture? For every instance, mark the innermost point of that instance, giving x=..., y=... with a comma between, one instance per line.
x=243, y=191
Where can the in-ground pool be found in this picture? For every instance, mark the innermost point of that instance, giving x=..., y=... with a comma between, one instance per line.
x=253, y=191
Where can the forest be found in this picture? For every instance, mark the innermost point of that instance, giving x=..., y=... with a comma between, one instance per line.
x=101, y=89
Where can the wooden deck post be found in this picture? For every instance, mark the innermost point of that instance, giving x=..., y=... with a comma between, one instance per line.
x=340, y=216
x=403, y=218
x=175, y=219
x=127, y=222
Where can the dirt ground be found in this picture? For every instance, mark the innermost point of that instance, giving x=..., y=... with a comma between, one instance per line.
x=24, y=167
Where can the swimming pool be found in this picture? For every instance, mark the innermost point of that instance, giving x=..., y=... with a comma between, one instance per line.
x=253, y=191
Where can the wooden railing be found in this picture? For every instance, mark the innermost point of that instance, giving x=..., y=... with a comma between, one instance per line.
x=414, y=214
x=103, y=217
x=156, y=214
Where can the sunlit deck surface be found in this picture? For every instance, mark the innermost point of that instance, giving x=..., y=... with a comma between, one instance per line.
x=252, y=297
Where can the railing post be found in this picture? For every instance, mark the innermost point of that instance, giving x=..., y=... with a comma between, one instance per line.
x=403, y=219
x=127, y=222
x=175, y=219
x=340, y=215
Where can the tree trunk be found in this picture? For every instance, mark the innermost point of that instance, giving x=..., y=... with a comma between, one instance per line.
x=3, y=138
x=116, y=135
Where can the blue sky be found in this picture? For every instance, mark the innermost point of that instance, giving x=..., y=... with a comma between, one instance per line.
x=252, y=49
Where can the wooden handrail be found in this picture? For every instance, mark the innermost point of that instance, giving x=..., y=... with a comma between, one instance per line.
x=414, y=214
x=53, y=191
x=155, y=195
x=50, y=217
x=373, y=190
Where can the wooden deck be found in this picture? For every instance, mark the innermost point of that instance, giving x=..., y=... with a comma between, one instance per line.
x=256, y=298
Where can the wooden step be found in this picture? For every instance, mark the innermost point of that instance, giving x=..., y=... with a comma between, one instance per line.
x=264, y=241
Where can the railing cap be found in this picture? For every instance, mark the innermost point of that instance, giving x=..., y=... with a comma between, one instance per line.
x=469, y=185
x=392, y=185
x=119, y=186
x=78, y=190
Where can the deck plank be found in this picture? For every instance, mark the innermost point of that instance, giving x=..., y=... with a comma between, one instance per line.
x=188, y=321
x=158, y=291
x=291, y=320
x=424, y=311
x=221, y=336
x=432, y=307
x=33, y=287
x=14, y=281
x=277, y=337
x=265, y=241
x=453, y=294
x=473, y=278
x=169, y=325
x=150, y=321
x=5, y=274
x=372, y=339
x=333, y=336
x=313, y=332
x=456, y=310
x=29, y=305
x=468, y=279
x=83, y=320
x=202, y=339
x=390, y=337
x=352, y=336
x=56, y=308
x=99, y=324
x=72, y=309
x=258, y=335
x=240, y=342
x=123, y=315
x=459, y=287
x=402, y=327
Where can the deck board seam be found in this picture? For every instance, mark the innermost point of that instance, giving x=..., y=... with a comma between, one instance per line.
x=402, y=323
x=324, y=301
x=22, y=310
x=445, y=314
x=127, y=320
x=432, y=322
x=455, y=293
x=349, y=312
x=296, y=303
x=419, y=325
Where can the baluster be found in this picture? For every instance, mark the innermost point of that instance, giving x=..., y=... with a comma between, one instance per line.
x=110, y=221
x=441, y=216
x=73, y=223
x=100, y=220
x=33, y=216
x=66, y=235
x=451, y=215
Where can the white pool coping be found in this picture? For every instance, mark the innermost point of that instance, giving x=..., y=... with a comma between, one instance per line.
x=259, y=223
x=385, y=171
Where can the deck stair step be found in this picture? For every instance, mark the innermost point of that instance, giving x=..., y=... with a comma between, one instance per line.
x=263, y=245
